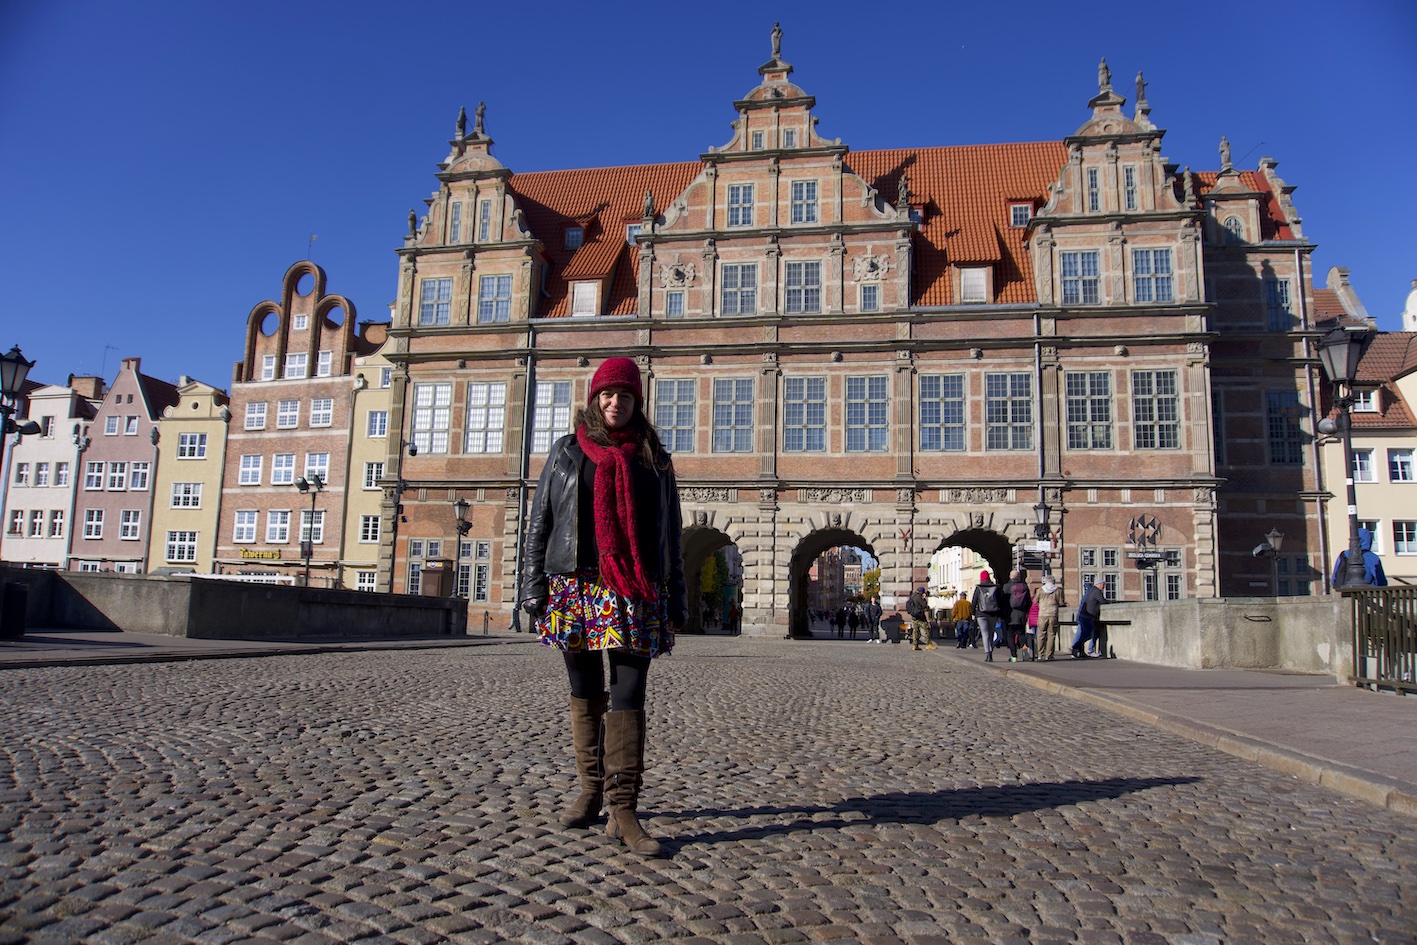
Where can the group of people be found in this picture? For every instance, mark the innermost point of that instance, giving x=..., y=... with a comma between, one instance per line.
x=1026, y=619
x=853, y=617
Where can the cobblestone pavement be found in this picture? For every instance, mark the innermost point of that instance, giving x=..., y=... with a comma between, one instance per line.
x=806, y=792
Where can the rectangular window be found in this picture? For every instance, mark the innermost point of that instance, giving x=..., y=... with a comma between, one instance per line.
x=435, y=301
x=130, y=426
x=256, y=416
x=36, y=524
x=870, y=298
x=312, y=526
x=373, y=472
x=942, y=411
x=1365, y=401
x=287, y=414
x=17, y=522
x=789, y=137
x=733, y=415
x=1286, y=436
x=191, y=446
x=181, y=546
x=633, y=230
x=674, y=304
x=93, y=523
x=369, y=529
x=551, y=414
x=1080, y=277
x=250, y=474
x=1129, y=187
x=268, y=367
x=674, y=414
x=245, y=528
x=296, y=366
x=366, y=580
x=61, y=474
x=283, y=469
x=300, y=323
x=46, y=427
x=117, y=477
x=583, y=298
x=1363, y=466
x=1008, y=411
x=1156, y=423
x=377, y=424
x=1151, y=275
x=740, y=289
x=1020, y=214
x=804, y=414
x=386, y=378
x=494, y=299
x=1399, y=466
x=804, y=287
x=317, y=464
x=486, y=416
x=22, y=474
x=138, y=476
x=455, y=224
x=322, y=412
x=41, y=474
x=93, y=476
x=324, y=363
x=1089, y=404
x=974, y=285
x=129, y=524
x=110, y=426
x=866, y=414
x=757, y=140
x=484, y=221
x=804, y=201
x=186, y=495
x=1404, y=538
x=56, y=523
x=1278, y=309
x=740, y=204
x=277, y=527
x=432, y=416
x=1094, y=190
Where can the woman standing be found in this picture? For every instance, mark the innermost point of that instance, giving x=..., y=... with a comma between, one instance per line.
x=604, y=572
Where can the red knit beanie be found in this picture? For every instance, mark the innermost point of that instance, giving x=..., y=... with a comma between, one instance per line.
x=983, y=577
x=617, y=372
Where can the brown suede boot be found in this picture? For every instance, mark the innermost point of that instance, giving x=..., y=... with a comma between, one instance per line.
x=624, y=772
x=586, y=716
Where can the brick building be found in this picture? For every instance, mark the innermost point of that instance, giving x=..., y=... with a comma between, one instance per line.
x=898, y=350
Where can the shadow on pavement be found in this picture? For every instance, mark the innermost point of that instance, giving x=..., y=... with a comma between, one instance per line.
x=911, y=807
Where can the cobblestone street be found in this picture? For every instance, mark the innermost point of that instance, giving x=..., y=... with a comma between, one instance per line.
x=806, y=792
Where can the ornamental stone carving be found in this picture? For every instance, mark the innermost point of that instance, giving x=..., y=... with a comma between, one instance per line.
x=703, y=494
x=834, y=496
x=904, y=496
x=676, y=275
x=513, y=496
x=974, y=496
x=871, y=267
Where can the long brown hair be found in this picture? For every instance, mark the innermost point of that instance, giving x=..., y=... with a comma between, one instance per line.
x=652, y=451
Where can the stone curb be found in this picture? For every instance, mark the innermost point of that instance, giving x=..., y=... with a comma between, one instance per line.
x=1346, y=779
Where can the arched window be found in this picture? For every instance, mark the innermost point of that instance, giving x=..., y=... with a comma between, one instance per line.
x=1234, y=230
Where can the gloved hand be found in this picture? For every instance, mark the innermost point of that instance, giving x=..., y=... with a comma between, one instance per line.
x=535, y=606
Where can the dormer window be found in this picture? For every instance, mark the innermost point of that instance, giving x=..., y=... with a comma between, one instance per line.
x=1020, y=214
x=633, y=230
x=575, y=236
x=974, y=285
x=757, y=140
x=583, y=298
x=1365, y=401
x=1234, y=230
x=789, y=137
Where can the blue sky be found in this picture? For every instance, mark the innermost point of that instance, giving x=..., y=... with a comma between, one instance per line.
x=163, y=163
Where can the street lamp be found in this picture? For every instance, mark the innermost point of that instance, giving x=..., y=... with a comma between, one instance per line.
x=460, y=508
x=13, y=371
x=314, y=486
x=1340, y=351
x=1041, y=529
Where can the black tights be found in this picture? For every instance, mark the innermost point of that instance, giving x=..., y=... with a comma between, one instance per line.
x=628, y=674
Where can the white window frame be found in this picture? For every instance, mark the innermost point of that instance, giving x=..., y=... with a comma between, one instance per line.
x=1094, y=190
x=243, y=528
x=675, y=412
x=789, y=137
x=283, y=469
x=110, y=426
x=255, y=415
x=56, y=523
x=1363, y=467
x=755, y=141
x=366, y=580
x=277, y=526
x=117, y=477
x=181, y=546
x=268, y=367
x=1152, y=276
x=740, y=205
x=299, y=322
x=870, y=297
x=1080, y=277
x=802, y=286
x=1020, y=214
x=1404, y=537
x=1129, y=187
x=486, y=417
x=974, y=285
x=324, y=363
x=93, y=477
x=312, y=526
x=369, y=529
x=130, y=426
x=1400, y=466
x=804, y=414
x=318, y=464
x=733, y=408
x=191, y=446
x=297, y=366
x=484, y=220
x=376, y=425
x=41, y=475
x=1008, y=411
x=738, y=288
x=942, y=413
x=1087, y=397
x=61, y=474
x=435, y=301
x=494, y=299
x=322, y=412
x=373, y=472
x=130, y=524
x=455, y=222
x=585, y=298
x=93, y=523
x=432, y=416
x=186, y=495
x=138, y=474
x=868, y=413
x=249, y=471
x=287, y=414
x=1156, y=410
x=1365, y=401
x=551, y=414
x=674, y=303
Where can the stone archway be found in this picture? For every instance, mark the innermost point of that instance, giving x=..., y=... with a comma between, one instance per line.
x=992, y=546
x=698, y=543
x=803, y=555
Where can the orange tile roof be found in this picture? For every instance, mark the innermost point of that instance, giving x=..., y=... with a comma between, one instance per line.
x=1327, y=306
x=1390, y=356
x=1273, y=225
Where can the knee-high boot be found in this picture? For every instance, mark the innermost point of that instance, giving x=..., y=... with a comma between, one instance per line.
x=586, y=737
x=624, y=772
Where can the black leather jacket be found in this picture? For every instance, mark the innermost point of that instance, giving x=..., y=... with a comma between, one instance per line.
x=552, y=531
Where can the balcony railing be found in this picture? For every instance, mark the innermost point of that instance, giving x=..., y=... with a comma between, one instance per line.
x=1385, y=638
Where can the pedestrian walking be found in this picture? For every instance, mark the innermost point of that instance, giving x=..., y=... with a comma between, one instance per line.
x=963, y=616
x=1050, y=604
x=853, y=621
x=1020, y=599
x=919, y=612
x=873, y=619
x=987, y=607
x=604, y=579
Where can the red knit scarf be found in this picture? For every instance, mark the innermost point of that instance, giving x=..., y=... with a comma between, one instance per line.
x=616, y=521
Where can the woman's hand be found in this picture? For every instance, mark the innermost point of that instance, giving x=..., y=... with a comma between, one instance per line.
x=535, y=606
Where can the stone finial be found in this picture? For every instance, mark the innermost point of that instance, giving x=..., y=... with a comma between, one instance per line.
x=1189, y=183
x=1225, y=164
x=1104, y=76
x=462, y=124
x=477, y=126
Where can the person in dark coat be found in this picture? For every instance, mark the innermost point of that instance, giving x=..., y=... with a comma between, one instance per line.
x=1020, y=601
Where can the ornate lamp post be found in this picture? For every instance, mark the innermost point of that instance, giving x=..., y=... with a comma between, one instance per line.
x=460, y=508
x=314, y=486
x=1340, y=351
x=13, y=371
x=1040, y=530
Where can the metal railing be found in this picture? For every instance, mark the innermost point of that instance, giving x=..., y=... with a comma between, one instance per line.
x=1385, y=638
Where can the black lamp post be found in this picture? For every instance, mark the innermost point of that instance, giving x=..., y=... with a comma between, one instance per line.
x=314, y=486
x=1041, y=529
x=1340, y=351
x=460, y=508
x=13, y=371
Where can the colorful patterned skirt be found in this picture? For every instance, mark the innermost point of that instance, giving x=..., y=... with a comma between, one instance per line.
x=584, y=614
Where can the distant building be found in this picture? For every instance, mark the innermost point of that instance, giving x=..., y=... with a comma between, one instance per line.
x=187, y=481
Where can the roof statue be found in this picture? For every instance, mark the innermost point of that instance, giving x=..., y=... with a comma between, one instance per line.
x=902, y=197
x=1104, y=76
x=462, y=123
x=649, y=204
x=777, y=40
x=1225, y=164
x=412, y=223
x=775, y=64
x=1141, y=89
x=477, y=128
